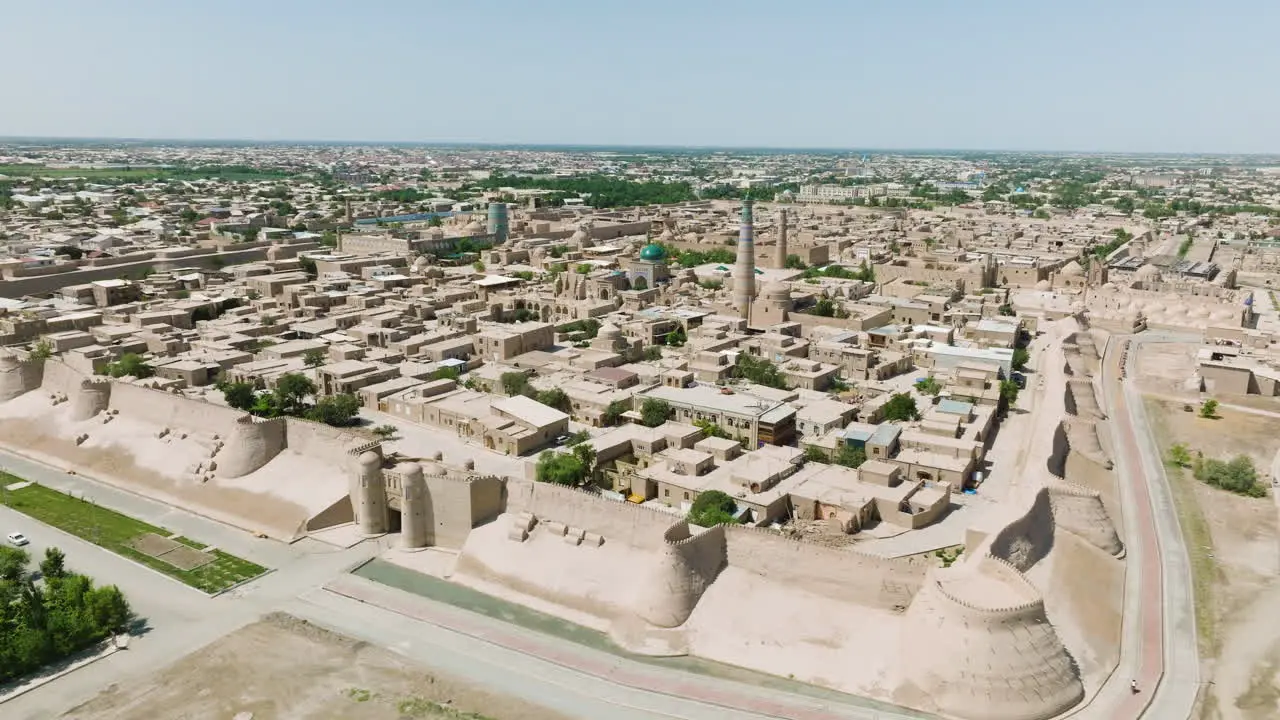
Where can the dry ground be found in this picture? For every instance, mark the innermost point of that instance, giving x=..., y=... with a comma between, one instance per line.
x=1163, y=368
x=1232, y=544
x=282, y=667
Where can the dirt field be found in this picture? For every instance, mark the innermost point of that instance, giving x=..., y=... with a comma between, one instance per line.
x=1165, y=367
x=1232, y=543
x=282, y=667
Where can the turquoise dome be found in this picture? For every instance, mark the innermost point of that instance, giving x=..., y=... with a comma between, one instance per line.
x=653, y=253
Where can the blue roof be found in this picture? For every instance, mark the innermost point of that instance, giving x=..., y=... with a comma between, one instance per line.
x=858, y=434
x=955, y=407
x=885, y=434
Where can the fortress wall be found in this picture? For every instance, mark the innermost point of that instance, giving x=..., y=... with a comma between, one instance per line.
x=1028, y=539
x=58, y=377
x=90, y=398
x=841, y=574
x=252, y=443
x=1084, y=594
x=1087, y=473
x=979, y=646
x=1081, y=511
x=676, y=580
x=173, y=411
x=19, y=375
x=323, y=442
x=625, y=522
x=1082, y=399
x=448, y=509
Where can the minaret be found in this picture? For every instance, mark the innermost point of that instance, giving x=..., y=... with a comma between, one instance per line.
x=780, y=222
x=744, y=270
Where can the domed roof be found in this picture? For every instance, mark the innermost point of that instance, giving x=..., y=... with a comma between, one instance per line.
x=1148, y=272
x=421, y=263
x=777, y=291
x=370, y=458
x=1072, y=269
x=653, y=252
x=473, y=228
x=1044, y=285
x=608, y=330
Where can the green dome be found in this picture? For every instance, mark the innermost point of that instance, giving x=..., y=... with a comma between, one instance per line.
x=653, y=253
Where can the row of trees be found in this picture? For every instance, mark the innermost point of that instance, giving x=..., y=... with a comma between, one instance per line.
x=601, y=191
x=48, y=614
x=291, y=398
x=1237, y=475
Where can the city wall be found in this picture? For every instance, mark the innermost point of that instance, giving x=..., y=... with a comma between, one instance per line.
x=624, y=522
x=677, y=578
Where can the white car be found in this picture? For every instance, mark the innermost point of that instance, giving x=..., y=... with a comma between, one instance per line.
x=18, y=539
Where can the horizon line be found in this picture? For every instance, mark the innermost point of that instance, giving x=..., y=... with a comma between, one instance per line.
x=625, y=146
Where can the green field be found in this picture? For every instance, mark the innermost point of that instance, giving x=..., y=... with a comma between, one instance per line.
x=113, y=531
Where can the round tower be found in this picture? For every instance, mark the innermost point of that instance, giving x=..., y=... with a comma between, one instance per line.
x=413, y=507
x=744, y=270
x=90, y=398
x=369, y=495
x=499, y=222
x=18, y=375
x=780, y=221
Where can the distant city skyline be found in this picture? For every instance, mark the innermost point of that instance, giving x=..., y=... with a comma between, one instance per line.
x=1179, y=77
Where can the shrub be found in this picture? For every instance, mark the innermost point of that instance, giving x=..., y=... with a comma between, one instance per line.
x=1209, y=409
x=712, y=508
x=1237, y=475
x=901, y=408
x=654, y=412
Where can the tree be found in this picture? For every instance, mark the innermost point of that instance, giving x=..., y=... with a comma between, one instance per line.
x=1209, y=409
x=479, y=266
x=556, y=398
x=578, y=438
x=677, y=337
x=1237, y=476
x=654, y=412
x=239, y=395
x=613, y=413
x=42, y=350
x=1006, y=310
x=652, y=353
x=315, y=357
x=712, y=508
x=1180, y=455
x=928, y=386
x=850, y=456
x=816, y=454
x=13, y=563
x=130, y=365
x=335, y=410
x=54, y=564
x=514, y=383
x=1020, y=358
x=901, y=408
x=386, y=431
x=1008, y=394
x=794, y=262
x=711, y=429
x=560, y=468
x=759, y=371
x=292, y=390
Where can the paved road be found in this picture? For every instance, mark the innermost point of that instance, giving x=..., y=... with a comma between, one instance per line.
x=1159, y=644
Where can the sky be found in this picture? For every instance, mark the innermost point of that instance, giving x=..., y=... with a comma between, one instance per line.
x=1083, y=75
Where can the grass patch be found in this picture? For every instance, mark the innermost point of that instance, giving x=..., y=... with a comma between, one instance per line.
x=113, y=531
x=1205, y=573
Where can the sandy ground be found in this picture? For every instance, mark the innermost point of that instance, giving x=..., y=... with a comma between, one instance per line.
x=277, y=499
x=1245, y=560
x=282, y=667
x=1165, y=367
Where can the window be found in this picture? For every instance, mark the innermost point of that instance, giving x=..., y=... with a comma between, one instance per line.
x=666, y=492
x=686, y=496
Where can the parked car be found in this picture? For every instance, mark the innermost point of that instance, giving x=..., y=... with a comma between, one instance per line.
x=17, y=538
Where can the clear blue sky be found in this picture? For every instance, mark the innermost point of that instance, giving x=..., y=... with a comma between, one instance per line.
x=1114, y=75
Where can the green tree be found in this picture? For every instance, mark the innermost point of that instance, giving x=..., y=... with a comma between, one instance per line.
x=794, y=262
x=514, y=383
x=901, y=408
x=613, y=413
x=560, y=468
x=816, y=454
x=652, y=353
x=1006, y=310
x=1180, y=455
x=130, y=365
x=928, y=386
x=336, y=410
x=759, y=371
x=42, y=350
x=712, y=508
x=54, y=564
x=315, y=357
x=1020, y=358
x=654, y=412
x=711, y=429
x=850, y=457
x=677, y=337
x=1008, y=394
x=578, y=438
x=291, y=393
x=239, y=395
x=556, y=398
x=1209, y=409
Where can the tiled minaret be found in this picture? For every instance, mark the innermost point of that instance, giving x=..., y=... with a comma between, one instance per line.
x=744, y=270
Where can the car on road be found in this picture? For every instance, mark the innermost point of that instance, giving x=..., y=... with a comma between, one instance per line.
x=17, y=538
